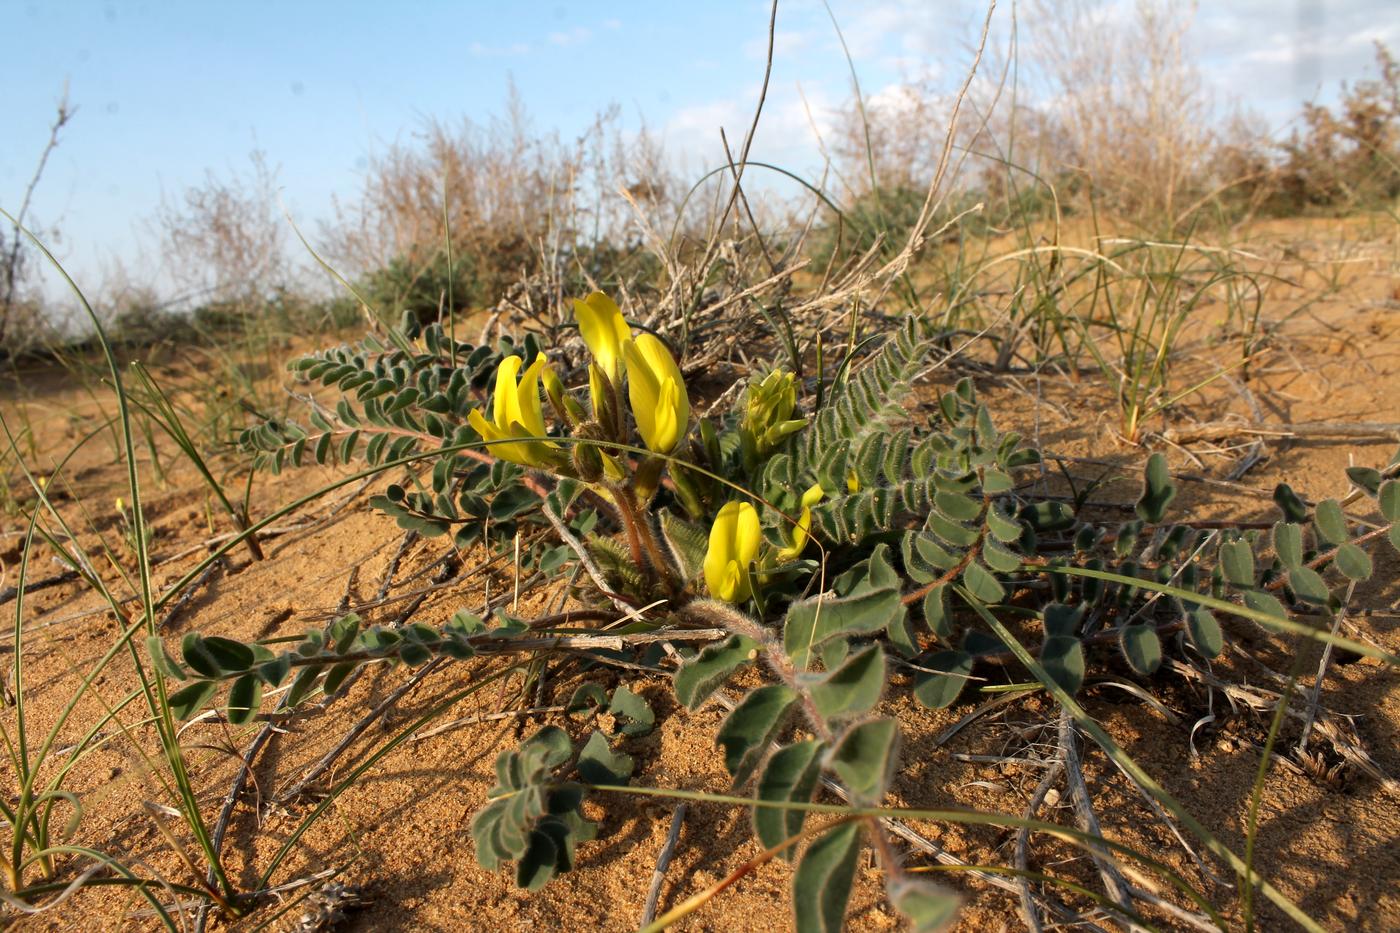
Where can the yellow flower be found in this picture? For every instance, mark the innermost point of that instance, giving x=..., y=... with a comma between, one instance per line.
x=803, y=529
x=604, y=332
x=517, y=413
x=657, y=393
x=852, y=482
x=734, y=540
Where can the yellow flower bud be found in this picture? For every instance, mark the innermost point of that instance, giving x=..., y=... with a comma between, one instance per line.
x=657, y=393
x=734, y=540
x=517, y=413
x=767, y=420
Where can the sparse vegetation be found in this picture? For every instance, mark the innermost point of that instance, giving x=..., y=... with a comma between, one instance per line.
x=675, y=500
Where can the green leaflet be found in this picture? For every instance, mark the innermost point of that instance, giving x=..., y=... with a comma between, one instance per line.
x=865, y=758
x=1062, y=656
x=821, y=886
x=1389, y=500
x=599, y=764
x=1205, y=632
x=1354, y=563
x=1157, y=492
x=1237, y=560
x=753, y=724
x=853, y=688
x=942, y=687
x=811, y=624
x=703, y=674
x=790, y=776
x=1330, y=522
x=1141, y=647
x=1288, y=544
x=929, y=907
x=981, y=583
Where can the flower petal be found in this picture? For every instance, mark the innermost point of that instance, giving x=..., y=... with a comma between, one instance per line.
x=604, y=331
x=529, y=412
x=747, y=533
x=503, y=399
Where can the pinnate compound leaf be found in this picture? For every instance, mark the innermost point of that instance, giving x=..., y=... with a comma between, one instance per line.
x=865, y=759
x=821, y=886
x=1157, y=491
x=1353, y=562
x=753, y=724
x=854, y=687
x=599, y=764
x=1063, y=659
x=940, y=689
x=790, y=776
x=1142, y=648
x=930, y=907
x=812, y=623
x=703, y=674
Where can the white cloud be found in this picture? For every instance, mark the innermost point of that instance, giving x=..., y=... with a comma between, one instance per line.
x=576, y=36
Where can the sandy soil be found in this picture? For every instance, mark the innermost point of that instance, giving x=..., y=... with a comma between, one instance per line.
x=400, y=837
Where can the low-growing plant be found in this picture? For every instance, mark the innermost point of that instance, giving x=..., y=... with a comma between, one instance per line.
x=846, y=549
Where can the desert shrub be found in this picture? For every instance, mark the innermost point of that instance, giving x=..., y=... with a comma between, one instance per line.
x=508, y=203
x=1347, y=156
x=225, y=241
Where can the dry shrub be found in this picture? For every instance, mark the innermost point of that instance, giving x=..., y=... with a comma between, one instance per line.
x=225, y=241
x=1348, y=156
x=516, y=201
x=1132, y=109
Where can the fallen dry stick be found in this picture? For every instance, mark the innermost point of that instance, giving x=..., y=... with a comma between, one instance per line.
x=1217, y=430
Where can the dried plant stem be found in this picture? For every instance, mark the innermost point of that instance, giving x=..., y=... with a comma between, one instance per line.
x=1029, y=912
x=1113, y=881
x=663, y=862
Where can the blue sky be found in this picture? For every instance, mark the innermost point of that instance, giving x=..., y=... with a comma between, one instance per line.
x=167, y=91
